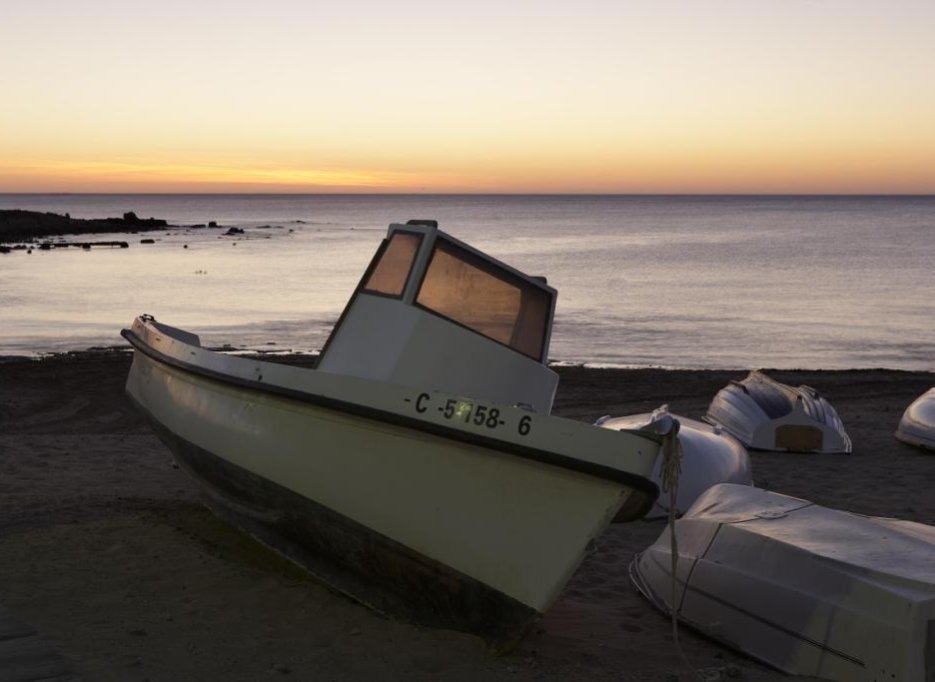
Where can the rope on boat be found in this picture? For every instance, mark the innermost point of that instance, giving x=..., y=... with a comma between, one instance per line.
x=671, y=471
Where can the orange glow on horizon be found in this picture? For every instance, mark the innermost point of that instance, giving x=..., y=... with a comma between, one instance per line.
x=84, y=176
x=702, y=170
x=641, y=97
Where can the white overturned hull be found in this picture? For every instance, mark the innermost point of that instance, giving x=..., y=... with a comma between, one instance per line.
x=806, y=589
x=709, y=456
x=917, y=426
x=443, y=510
x=765, y=414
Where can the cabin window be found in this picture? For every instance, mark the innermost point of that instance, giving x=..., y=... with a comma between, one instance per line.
x=475, y=293
x=389, y=274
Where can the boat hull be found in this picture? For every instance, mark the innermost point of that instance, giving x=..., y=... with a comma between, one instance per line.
x=764, y=414
x=349, y=557
x=442, y=531
x=709, y=456
x=809, y=590
x=917, y=425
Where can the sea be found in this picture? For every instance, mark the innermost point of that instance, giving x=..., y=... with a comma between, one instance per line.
x=721, y=282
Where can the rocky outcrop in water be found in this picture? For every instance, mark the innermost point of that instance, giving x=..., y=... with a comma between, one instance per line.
x=18, y=226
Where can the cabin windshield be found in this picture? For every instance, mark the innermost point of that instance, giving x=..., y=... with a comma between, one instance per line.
x=477, y=294
x=393, y=264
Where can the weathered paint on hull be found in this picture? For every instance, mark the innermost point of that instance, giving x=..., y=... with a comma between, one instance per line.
x=351, y=558
x=443, y=533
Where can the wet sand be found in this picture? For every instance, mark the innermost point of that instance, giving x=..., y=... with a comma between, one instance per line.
x=107, y=552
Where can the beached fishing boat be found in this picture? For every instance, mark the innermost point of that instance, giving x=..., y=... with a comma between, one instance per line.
x=765, y=414
x=806, y=589
x=709, y=456
x=917, y=425
x=417, y=468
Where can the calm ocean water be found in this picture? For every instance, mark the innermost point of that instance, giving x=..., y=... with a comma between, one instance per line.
x=719, y=282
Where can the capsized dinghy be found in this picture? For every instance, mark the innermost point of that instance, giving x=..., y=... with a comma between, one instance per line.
x=417, y=469
x=765, y=414
x=806, y=589
x=709, y=456
x=917, y=426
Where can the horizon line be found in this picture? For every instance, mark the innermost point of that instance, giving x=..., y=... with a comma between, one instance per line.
x=488, y=194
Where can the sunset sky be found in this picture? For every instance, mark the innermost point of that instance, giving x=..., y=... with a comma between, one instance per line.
x=793, y=96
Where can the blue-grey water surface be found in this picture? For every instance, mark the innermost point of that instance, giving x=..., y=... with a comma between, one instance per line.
x=717, y=282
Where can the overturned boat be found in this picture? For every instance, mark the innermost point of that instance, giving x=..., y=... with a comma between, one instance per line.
x=917, y=426
x=417, y=468
x=709, y=456
x=803, y=588
x=765, y=414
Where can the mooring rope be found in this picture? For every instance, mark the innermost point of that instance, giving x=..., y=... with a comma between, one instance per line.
x=671, y=471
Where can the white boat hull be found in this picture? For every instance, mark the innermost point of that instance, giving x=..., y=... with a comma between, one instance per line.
x=444, y=520
x=808, y=590
x=709, y=456
x=917, y=426
x=765, y=414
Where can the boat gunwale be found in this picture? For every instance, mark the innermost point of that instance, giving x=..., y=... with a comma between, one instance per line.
x=635, y=481
x=914, y=440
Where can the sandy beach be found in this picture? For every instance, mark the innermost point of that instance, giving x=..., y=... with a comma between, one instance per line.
x=107, y=552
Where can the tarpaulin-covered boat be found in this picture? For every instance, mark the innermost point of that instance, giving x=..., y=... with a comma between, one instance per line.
x=806, y=589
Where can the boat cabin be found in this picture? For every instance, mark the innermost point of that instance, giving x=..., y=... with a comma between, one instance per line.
x=433, y=313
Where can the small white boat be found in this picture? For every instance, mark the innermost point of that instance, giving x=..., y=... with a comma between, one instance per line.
x=417, y=468
x=709, y=456
x=765, y=414
x=917, y=426
x=803, y=588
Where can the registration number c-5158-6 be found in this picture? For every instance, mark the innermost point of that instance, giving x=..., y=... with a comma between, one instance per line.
x=468, y=412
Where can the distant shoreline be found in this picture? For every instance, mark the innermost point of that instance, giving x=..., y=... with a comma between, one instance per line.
x=20, y=226
x=574, y=372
